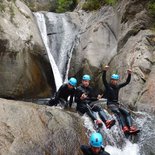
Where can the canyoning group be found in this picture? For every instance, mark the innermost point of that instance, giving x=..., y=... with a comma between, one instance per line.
x=86, y=99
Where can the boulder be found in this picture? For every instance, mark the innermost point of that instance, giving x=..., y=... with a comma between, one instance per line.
x=27, y=128
x=22, y=54
x=41, y=5
x=97, y=43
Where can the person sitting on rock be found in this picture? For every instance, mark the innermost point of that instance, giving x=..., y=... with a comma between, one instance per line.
x=112, y=93
x=84, y=98
x=65, y=91
x=95, y=147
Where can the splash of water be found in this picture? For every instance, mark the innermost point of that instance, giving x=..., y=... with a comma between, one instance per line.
x=128, y=149
x=114, y=136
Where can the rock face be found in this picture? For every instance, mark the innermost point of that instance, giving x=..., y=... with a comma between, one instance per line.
x=136, y=54
x=22, y=54
x=41, y=5
x=120, y=38
x=28, y=129
x=97, y=43
x=117, y=36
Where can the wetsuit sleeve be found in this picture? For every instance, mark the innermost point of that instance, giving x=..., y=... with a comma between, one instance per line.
x=78, y=95
x=126, y=82
x=58, y=92
x=104, y=80
x=92, y=94
x=85, y=150
x=105, y=153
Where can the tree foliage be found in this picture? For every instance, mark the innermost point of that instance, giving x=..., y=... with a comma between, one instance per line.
x=91, y=5
x=151, y=7
x=69, y=5
x=65, y=5
x=96, y=4
x=111, y=2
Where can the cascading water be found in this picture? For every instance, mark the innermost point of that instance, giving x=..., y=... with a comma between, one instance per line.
x=117, y=144
x=59, y=35
x=42, y=27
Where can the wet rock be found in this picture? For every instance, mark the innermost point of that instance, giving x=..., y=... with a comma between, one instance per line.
x=22, y=54
x=27, y=128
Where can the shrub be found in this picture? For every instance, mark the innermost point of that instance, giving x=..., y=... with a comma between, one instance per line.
x=151, y=7
x=96, y=4
x=91, y=5
x=111, y=2
x=65, y=5
x=2, y=6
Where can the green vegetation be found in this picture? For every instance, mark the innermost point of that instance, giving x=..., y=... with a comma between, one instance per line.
x=65, y=5
x=111, y=2
x=69, y=5
x=151, y=7
x=91, y=5
x=2, y=6
x=96, y=4
x=151, y=10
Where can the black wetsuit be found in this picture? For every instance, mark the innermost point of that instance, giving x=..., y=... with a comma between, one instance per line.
x=86, y=105
x=112, y=93
x=62, y=96
x=87, y=151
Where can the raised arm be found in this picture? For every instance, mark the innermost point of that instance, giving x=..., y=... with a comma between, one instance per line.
x=104, y=77
x=127, y=80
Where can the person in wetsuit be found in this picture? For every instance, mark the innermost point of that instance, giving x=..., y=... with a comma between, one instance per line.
x=65, y=91
x=112, y=94
x=84, y=98
x=96, y=146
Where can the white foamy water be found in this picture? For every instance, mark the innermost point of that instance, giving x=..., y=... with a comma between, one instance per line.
x=42, y=27
x=127, y=149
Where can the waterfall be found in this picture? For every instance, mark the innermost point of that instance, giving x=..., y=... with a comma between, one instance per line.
x=42, y=27
x=58, y=34
x=117, y=144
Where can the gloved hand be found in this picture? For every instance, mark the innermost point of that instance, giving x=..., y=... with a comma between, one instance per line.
x=105, y=67
x=99, y=96
x=129, y=71
x=83, y=96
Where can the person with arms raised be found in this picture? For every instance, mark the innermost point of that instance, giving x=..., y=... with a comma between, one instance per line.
x=112, y=93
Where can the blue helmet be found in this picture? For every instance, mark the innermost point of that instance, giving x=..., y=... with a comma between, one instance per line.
x=96, y=140
x=86, y=77
x=115, y=77
x=72, y=81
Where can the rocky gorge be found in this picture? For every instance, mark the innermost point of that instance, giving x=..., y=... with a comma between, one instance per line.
x=121, y=36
